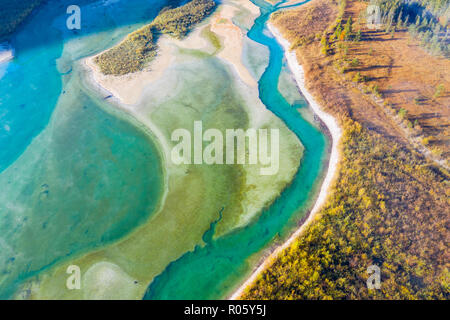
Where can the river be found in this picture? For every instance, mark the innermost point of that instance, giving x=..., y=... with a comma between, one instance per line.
x=70, y=184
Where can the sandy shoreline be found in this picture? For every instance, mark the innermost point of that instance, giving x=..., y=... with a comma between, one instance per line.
x=335, y=133
x=232, y=41
x=128, y=89
x=91, y=75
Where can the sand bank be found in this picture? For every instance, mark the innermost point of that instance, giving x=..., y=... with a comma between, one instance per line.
x=129, y=88
x=232, y=41
x=335, y=133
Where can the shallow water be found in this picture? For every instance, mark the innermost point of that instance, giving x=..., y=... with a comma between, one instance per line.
x=214, y=270
x=66, y=162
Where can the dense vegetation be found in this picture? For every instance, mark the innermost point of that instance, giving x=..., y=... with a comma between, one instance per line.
x=140, y=47
x=388, y=209
x=363, y=65
x=426, y=20
x=130, y=55
x=12, y=13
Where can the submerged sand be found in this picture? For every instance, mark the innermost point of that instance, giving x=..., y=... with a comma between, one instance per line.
x=335, y=132
x=130, y=87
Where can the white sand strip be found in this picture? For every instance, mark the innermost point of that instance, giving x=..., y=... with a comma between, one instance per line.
x=335, y=132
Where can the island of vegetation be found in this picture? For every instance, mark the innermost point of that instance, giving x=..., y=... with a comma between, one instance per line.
x=388, y=87
x=139, y=47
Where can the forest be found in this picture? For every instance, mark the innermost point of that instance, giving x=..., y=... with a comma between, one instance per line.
x=140, y=47
x=390, y=209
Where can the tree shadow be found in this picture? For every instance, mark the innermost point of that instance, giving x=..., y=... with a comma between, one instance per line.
x=392, y=91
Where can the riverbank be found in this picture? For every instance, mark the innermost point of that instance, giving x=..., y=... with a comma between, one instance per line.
x=129, y=88
x=335, y=132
